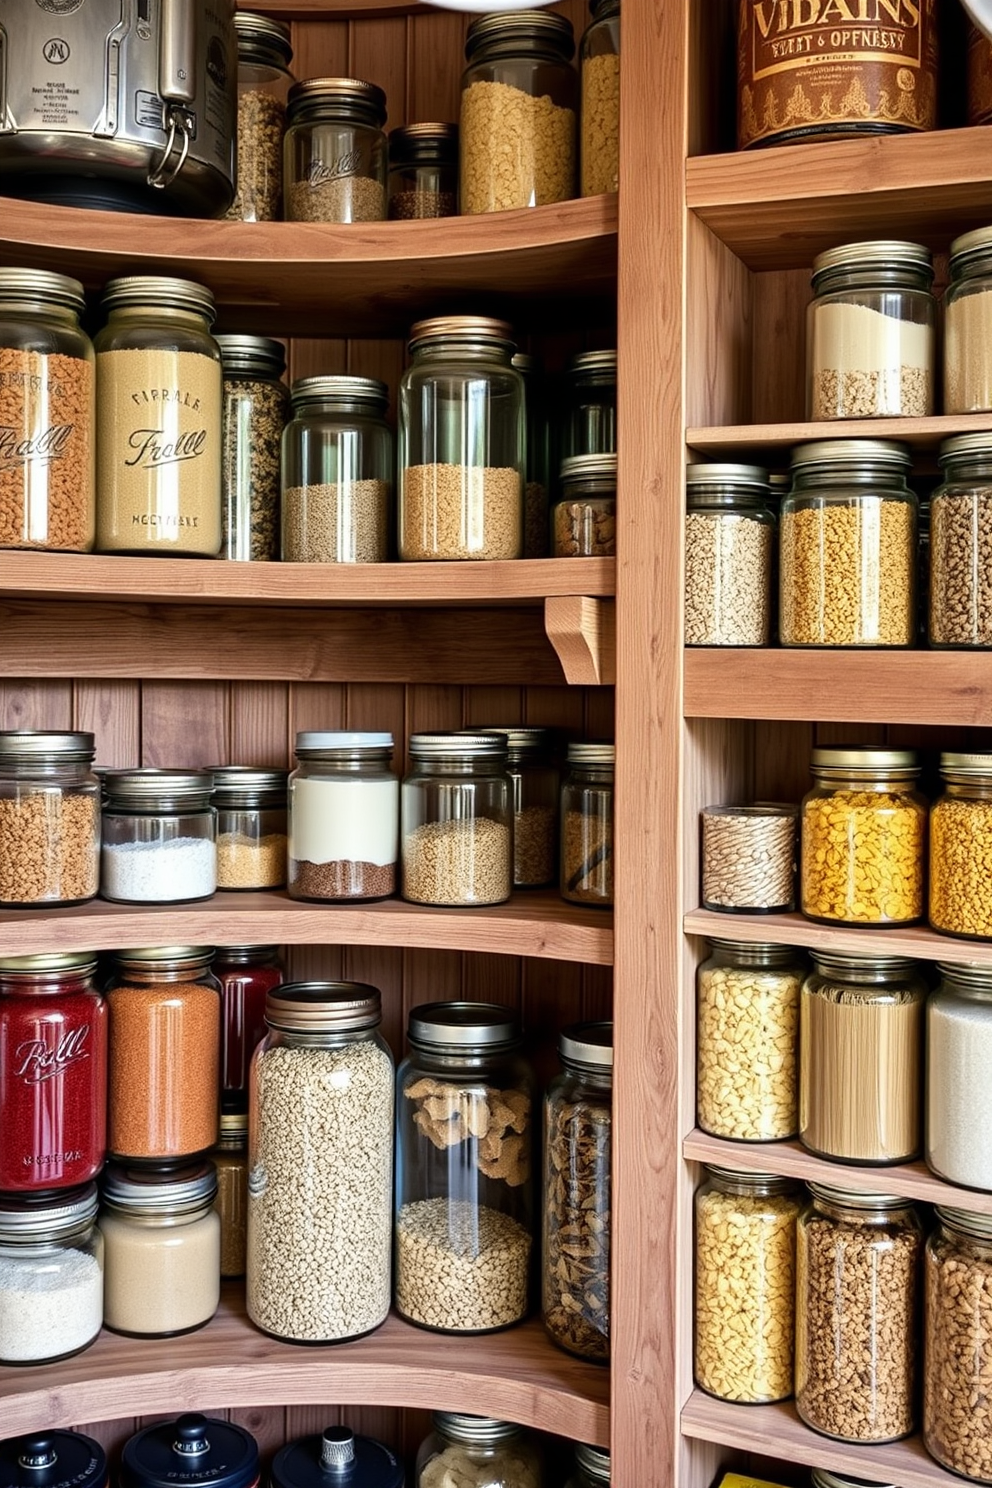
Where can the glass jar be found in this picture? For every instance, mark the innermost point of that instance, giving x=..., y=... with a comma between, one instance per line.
x=247, y=974
x=48, y=436
x=537, y=517
x=344, y=807
x=461, y=442
x=923, y=572
x=423, y=171
x=251, y=826
x=871, y=340
x=320, y=1165
x=456, y=820
x=254, y=414
x=162, y=1237
x=729, y=556
x=599, y=62
x=464, y=1147
x=578, y=1139
x=747, y=1041
x=159, y=398
x=864, y=834
x=264, y=80
x=584, y=521
x=847, y=546
x=159, y=836
x=961, y=544
x=960, y=824
x=337, y=472
x=590, y=414
x=164, y=1007
x=49, y=818
x=191, y=1449
x=587, y=825
x=67, y=1458
x=592, y=1467
x=749, y=858
x=958, y=1337
x=51, y=1276
x=230, y=1158
x=334, y=1455
x=861, y=1058
x=959, y=1076
x=967, y=318
x=745, y=1285
x=518, y=112
x=857, y=1278
x=536, y=784
x=477, y=1452
x=334, y=157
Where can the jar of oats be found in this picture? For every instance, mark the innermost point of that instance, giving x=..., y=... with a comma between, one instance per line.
x=49, y=818
x=729, y=555
x=957, y=1371
x=251, y=826
x=961, y=847
x=264, y=80
x=456, y=820
x=473, y=1451
x=334, y=154
x=584, y=521
x=255, y=411
x=599, y=53
x=960, y=544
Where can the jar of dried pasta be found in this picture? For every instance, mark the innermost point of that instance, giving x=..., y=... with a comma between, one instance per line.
x=423, y=171
x=474, y=1450
x=264, y=80
x=958, y=1338
x=334, y=153
x=961, y=847
x=587, y=825
x=584, y=521
x=599, y=53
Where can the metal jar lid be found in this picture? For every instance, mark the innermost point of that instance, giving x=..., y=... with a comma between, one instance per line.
x=977, y=1225
x=152, y=789
x=164, y=958
x=821, y=1478
x=50, y=962
x=594, y=368
x=866, y=759
x=593, y=1461
x=887, y=257
x=851, y=1198
x=863, y=968
x=242, y=785
x=867, y=457
x=260, y=38
x=52, y=1459
x=965, y=448
x=168, y=1188
x=976, y=765
x=350, y=99
x=193, y=1449
x=587, y=1043
x=522, y=743
x=310, y=392
x=152, y=292
x=474, y=1431
x=337, y=1456
x=526, y=365
x=463, y=1026
x=243, y=953
x=424, y=144
x=577, y=469
x=453, y=746
x=749, y=1177
x=481, y=330
x=722, y=483
x=45, y=747
x=972, y=250
x=23, y=1220
x=251, y=356
x=323, y=1007
x=41, y=284
x=754, y=950
x=970, y=974
x=330, y=744
x=523, y=26
x=591, y=754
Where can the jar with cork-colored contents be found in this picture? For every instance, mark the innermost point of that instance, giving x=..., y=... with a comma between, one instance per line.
x=251, y=826
x=590, y=399
x=159, y=836
x=536, y=784
x=477, y=1452
x=729, y=555
x=247, y=974
x=456, y=820
x=230, y=1158
x=586, y=875
x=968, y=324
x=49, y=818
x=961, y=847
x=749, y=858
x=537, y=487
x=960, y=545
x=959, y=1075
x=584, y=521
x=67, y=1459
x=334, y=153
x=599, y=66
x=423, y=171
x=191, y=1449
x=254, y=414
x=344, y=806
x=957, y=1368
x=592, y=1467
x=265, y=51
x=51, y=1275
x=336, y=1455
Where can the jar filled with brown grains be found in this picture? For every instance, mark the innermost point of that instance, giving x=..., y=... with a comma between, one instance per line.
x=961, y=847
x=599, y=53
x=858, y=1259
x=957, y=1370
x=472, y=1451
x=461, y=442
x=537, y=520
x=264, y=80
x=334, y=152
x=968, y=324
x=255, y=411
x=49, y=818
x=590, y=405
x=47, y=414
x=530, y=766
x=587, y=825
x=423, y=171
x=749, y=858
x=230, y=1158
x=456, y=820
x=251, y=827
x=337, y=472
x=729, y=555
x=961, y=544
x=584, y=521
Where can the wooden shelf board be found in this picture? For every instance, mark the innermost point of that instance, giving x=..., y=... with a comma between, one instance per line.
x=769, y=440
x=918, y=941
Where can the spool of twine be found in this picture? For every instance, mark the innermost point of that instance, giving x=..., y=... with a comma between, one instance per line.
x=749, y=858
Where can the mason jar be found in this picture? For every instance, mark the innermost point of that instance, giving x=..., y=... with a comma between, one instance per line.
x=729, y=555
x=464, y=1150
x=590, y=412
x=537, y=486
x=587, y=825
x=334, y=155
x=967, y=312
x=959, y=1056
x=592, y=1467
x=476, y=1449
x=518, y=112
x=961, y=544
x=230, y=1158
x=337, y=472
x=958, y=1340
x=584, y=521
x=51, y=1276
x=599, y=65
x=423, y=171
x=456, y=820
x=159, y=836
x=247, y=974
x=159, y=399
x=334, y=1454
x=264, y=80
x=68, y=1459
x=251, y=826
x=48, y=435
x=344, y=807
x=461, y=442
x=531, y=768
x=749, y=858
x=211, y=1453
x=960, y=828
x=254, y=413
x=49, y=818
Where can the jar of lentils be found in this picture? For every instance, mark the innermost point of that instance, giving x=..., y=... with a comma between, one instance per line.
x=51, y=1276
x=344, y=817
x=959, y=1057
x=729, y=553
x=334, y=156
x=530, y=766
x=958, y=1338
x=456, y=820
x=961, y=544
x=584, y=521
x=475, y=1449
x=49, y=818
x=423, y=171
x=967, y=318
x=599, y=54
x=961, y=847
x=251, y=826
x=255, y=411
x=587, y=825
x=159, y=836
x=264, y=80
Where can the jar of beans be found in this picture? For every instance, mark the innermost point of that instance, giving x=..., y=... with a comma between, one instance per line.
x=216, y=1454
x=729, y=550
x=961, y=544
x=590, y=423
x=536, y=784
x=592, y=1467
x=254, y=413
x=344, y=807
x=959, y=1066
x=958, y=1338
x=456, y=820
x=423, y=171
x=334, y=155
x=599, y=152
x=230, y=1158
x=51, y=1276
x=961, y=847
x=475, y=1449
x=264, y=80
x=247, y=974
x=749, y=858
x=587, y=825
x=537, y=520
x=336, y=1453
x=864, y=829
x=967, y=322
x=584, y=521
x=49, y=818
x=251, y=826
x=159, y=836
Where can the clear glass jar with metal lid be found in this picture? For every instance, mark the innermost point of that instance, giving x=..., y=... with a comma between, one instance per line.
x=230, y=1158
x=49, y=818
x=729, y=556
x=337, y=1454
x=592, y=1467
x=960, y=858
x=871, y=341
x=255, y=412
x=456, y=820
x=159, y=836
x=959, y=1075
x=476, y=1450
x=518, y=112
x=334, y=154
x=247, y=974
x=264, y=80
x=864, y=837
x=48, y=436
x=344, y=817
x=957, y=1334
x=159, y=398
x=320, y=1173
x=968, y=324
x=590, y=413
x=251, y=826
x=191, y=1449
x=531, y=767
x=162, y=1238
x=847, y=546
x=961, y=544
x=423, y=171
x=587, y=825
x=337, y=472
x=51, y=1275
x=68, y=1459
x=599, y=63
x=464, y=1152
x=461, y=442
x=584, y=521
x=537, y=519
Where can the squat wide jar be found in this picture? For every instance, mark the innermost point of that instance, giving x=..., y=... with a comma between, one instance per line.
x=456, y=820
x=344, y=803
x=960, y=544
x=334, y=155
x=476, y=1449
x=159, y=836
x=255, y=410
x=584, y=521
x=251, y=827
x=587, y=825
x=967, y=322
x=960, y=853
x=264, y=80
x=729, y=555
x=51, y=1276
x=959, y=1058
x=958, y=1339
x=49, y=818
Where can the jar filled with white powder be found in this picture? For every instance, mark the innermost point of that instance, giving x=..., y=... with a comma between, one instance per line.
x=159, y=836
x=51, y=1276
x=968, y=324
x=344, y=805
x=959, y=1076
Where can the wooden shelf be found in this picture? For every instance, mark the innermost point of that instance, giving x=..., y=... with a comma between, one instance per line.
x=769, y=442
x=918, y=941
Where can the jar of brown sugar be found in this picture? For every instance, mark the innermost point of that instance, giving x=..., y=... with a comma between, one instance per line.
x=334, y=154
x=423, y=171
x=49, y=818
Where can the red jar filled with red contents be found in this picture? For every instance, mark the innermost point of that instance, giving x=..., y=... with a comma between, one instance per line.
x=246, y=974
x=53, y=1072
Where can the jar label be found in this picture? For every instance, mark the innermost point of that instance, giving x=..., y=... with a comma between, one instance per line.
x=46, y=451
x=41, y=1059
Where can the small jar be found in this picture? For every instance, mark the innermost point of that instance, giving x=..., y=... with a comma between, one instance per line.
x=67, y=1458
x=960, y=827
x=592, y=1467
x=247, y=974
x=871, y=340
x=164, y=1007
x=749, y=858
x=861, y=1058
x=967, y=318
x=584, y=521
x=48, y=436
x=745, y=1285
x=599, y=62
x=536, y=785
x=847, y=546
x=857, y=1280
x=959, y=1058
x=264, y=80
x=590, y=413
x=159, y=397
x=864, y=835
x=464, y=1201
x=518, y=112
x=49, y=818
x=578, y=1142
x=337, y=472
x=961, y=544
x=461, y=442
x=958, y=1337
x=537, y=516
x=344, y=808
x=230, y=1158
x=51, y=1276
x=334, y=157
x=251, y=826
x=729, y=556
x=747, y=1041
x=254, y=414
x=587, y=825
x=477, y=1450
x=456, y=820
x=159, y=836
x=423, y=171
x=191, y=1449
x=334, y=1455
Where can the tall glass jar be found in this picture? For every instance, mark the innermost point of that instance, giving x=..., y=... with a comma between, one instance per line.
x=959, y=1059
x=960, y=824
x=423, y=171
x=230, y=1158
x=254, y=414
x=537, y=517
x=159, y=398
x=334, y=155
x=337, y=472
x=456, y=820
x=584, y=521
x=599, y=61
x=264, y=80
x=48, y=435
x=159, y=836
x=592, y=1467
x=590, y=415
x=464, y=1153
x=530, y=766
x=251, y=826
x=967, y=318
x=871, y=338
x=587, y=825
x=461, y=442
x=51, y=1276
x=578, y=1142
x=518, y=112
x=344, y=807
x=247, y=974
x=858, y=1261
x=476, y=1450
x=847, y=546
x=49, y=818
x=958, y=1337
x=729, y=556
x=961, y=544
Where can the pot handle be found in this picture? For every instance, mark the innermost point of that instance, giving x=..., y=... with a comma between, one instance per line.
x=981, y=13
x=177, y=51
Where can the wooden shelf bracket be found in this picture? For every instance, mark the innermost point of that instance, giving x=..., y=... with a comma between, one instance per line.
x=583, y=632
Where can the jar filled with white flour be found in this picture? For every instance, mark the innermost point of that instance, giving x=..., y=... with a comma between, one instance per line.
x=51, y=1276
x=159, y=836
x=959, y=1076
x=344, y=807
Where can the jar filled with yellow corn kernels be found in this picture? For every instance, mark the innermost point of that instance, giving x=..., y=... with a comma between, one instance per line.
x=864, y=826
x=961, y=847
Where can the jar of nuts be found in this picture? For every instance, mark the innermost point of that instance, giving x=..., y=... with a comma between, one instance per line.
x=264, y=80
x=961, y=847
x=49, y=818
x=423, y=171
x=471, y=1450
x=584, y=521
x=957, y=1372
x=334, y=152
x=729, y=549
x=534, y=775
x=587, y=825
x=960, y=544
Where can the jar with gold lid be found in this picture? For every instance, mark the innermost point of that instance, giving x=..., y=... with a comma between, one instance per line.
x=334, y=153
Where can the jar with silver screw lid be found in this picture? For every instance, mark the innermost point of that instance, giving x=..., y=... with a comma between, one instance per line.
x=592, y=1467
x=968, y=324
x=265, y=51
x=334, y=153
x=960, y=544
x=590, y=414
x=344, y=803
x=531, y=768
x=960, y=869
x=423, y=171
x=159, y=836
x=959, y=1075
x=584, y=521
x=477, y=1451
x=587, y=825
x=456, y=820
x=254, y=414
x=729, y=555
x=49, y=818
x=251, y=826
x=51, y=1275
